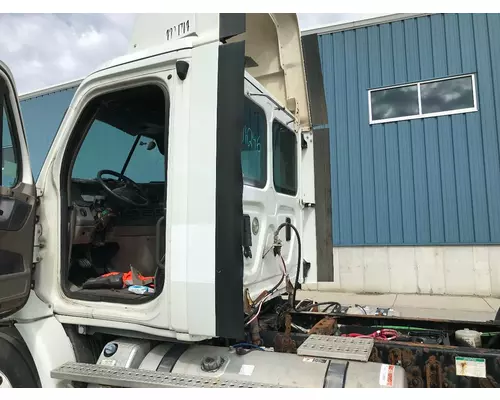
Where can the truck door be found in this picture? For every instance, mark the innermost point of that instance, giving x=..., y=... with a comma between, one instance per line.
x=17, y=202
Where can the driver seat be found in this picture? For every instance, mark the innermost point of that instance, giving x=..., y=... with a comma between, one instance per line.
x=138, y=251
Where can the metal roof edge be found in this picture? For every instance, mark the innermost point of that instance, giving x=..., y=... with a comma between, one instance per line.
x=50, y=89
x=361, y=23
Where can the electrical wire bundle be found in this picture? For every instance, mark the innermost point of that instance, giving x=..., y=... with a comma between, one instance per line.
x=336, y=306
x=333, y=304
x=382, y=334
x=257, y=308
x=246, y=346
x=299, y=257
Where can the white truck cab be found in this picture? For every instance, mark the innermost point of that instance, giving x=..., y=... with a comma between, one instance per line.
x=202, y=227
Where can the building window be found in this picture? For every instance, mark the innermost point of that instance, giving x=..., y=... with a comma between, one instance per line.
x=423, y=99
x=253, y=146
x=284, y=159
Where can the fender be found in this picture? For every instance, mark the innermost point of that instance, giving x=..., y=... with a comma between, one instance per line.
x=45, y=338
x=49, y=346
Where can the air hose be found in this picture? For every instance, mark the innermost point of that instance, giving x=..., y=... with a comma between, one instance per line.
x=299, y=258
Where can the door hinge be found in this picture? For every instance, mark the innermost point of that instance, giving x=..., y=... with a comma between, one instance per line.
x=37, y=245
x=38, y=230
x=39, y=194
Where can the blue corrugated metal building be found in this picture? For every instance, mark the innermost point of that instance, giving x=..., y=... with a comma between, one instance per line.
x=431, y=180
x=413, y=106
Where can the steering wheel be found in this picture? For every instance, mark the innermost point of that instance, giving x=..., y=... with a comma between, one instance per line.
x=128, y=192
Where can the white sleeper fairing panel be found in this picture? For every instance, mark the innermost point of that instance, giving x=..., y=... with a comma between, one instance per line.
x=273, y=43
x=201, y=215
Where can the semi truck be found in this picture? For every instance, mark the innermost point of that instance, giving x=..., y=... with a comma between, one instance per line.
x=157, y=219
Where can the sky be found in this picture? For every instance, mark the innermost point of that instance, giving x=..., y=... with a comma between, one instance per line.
x=46, y=49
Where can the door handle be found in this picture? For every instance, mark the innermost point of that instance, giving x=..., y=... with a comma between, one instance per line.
x=288, y=230
x=246, y=236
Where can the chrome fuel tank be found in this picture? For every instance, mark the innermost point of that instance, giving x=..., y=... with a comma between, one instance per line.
x=255, y=367
x=287, y=370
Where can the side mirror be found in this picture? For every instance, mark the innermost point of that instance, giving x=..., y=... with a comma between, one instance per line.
x=151, y=145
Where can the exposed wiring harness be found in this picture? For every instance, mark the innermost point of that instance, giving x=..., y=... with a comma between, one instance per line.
x=244, y=348
x=283, y=276
x=257, y=313
x=253, y=346
x=270, y=293
x=299, y=256
x=382, y=334
x=362, y=308
x=336, y=306
x=301, y=301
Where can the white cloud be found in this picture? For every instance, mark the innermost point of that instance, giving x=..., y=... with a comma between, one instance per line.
x=46, y=49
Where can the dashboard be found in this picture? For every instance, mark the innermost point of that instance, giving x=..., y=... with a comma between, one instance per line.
x=90, y=201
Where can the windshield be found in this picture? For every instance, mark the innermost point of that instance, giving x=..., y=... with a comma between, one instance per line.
x=106, y=147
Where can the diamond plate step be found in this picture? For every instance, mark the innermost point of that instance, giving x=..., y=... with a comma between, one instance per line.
x=343, y=348
x=136, y=378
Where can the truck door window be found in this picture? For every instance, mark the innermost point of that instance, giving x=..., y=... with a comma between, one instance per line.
x=284, y=159
x=253, y=146
x=9, y=162
x=42, y=117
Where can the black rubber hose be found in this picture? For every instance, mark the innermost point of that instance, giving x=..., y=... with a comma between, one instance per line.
x=277, y=285
x=299, y=258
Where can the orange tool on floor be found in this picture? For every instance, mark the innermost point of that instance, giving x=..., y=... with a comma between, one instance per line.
x=119, y=280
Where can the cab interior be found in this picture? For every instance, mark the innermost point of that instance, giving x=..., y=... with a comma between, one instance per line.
x=117, y=195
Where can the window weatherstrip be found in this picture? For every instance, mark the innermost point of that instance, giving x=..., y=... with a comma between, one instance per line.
x=1, y=135
x=474, y=90
x=370, y=106
x=419, y=97
x=282, y=190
